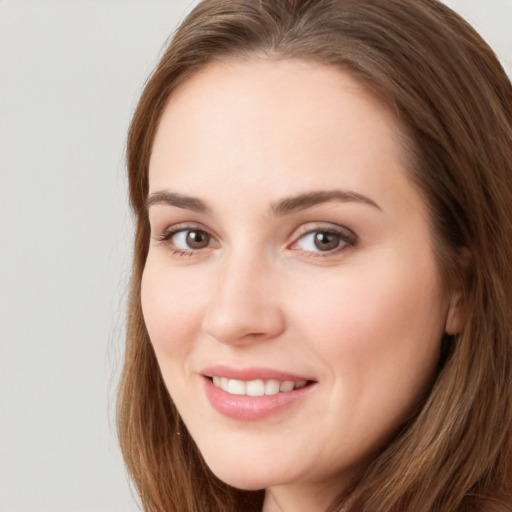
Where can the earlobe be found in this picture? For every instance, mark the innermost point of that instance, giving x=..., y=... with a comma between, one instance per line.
x=455, y=316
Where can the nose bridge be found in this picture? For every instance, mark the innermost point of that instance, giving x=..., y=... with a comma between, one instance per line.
x=243, y=306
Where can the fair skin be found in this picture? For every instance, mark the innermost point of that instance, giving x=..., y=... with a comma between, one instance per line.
x=289, y=244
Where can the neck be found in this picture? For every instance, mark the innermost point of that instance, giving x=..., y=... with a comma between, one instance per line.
x=299, y=499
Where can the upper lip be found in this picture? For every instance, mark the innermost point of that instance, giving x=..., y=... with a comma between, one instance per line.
x=252, y=373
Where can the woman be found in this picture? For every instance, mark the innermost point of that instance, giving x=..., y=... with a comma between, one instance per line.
x=320, y=312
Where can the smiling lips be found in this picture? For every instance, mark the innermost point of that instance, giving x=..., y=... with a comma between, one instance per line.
x=255, y=394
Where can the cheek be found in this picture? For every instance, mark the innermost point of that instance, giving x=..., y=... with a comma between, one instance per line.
x=379, y=333
x=172, y=310
x=366, y=309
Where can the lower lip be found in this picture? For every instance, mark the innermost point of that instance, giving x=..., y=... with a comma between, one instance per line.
x=250, y=408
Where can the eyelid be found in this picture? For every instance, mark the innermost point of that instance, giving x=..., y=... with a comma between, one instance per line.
x=171, y=229
x=309, y=227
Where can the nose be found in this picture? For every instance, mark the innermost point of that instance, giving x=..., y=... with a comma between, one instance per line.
x=244, y=307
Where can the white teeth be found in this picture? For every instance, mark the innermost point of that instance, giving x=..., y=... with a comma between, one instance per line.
x=272, y=387
x=236, y=387
x=256, y=387
x=287, y=385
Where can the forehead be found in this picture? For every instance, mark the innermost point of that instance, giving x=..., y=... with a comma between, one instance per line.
x=294, y=124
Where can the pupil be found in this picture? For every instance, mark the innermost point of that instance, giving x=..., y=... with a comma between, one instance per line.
x=197, y=239
x=326, y=241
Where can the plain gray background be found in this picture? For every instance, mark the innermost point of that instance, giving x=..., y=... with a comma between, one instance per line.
x=70, y=75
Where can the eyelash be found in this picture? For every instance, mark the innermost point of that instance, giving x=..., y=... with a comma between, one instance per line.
x=346, y=237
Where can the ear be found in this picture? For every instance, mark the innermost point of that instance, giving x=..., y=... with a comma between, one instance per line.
x=455, y=318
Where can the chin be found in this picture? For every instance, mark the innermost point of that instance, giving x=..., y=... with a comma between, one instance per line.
x=243, y=481
x=245, y=477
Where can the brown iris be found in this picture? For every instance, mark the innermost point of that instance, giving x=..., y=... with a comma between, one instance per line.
x=198, y=239
x=325, y=241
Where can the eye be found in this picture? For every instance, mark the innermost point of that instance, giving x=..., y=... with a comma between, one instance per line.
x=324, y=241
x=191, y=239
x=187, y=240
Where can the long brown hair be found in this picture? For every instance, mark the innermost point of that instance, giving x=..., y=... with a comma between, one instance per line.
x=454, y=102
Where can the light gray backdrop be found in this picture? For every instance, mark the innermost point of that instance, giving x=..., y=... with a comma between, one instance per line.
x=70, y=75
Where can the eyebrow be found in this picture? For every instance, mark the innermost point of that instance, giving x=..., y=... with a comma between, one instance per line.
x=310, y=199
x=280, y=208
x=178, y=200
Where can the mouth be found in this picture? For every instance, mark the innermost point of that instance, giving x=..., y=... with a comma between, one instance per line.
x=257, y=387
x=254, y=394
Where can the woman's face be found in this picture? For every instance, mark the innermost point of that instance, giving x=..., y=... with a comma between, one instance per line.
x=291, y=292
